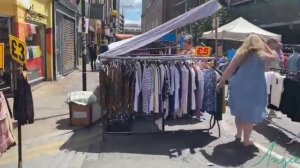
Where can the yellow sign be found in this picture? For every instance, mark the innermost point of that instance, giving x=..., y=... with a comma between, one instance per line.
x=18, y=50
x=203, y=51
x=1, y=56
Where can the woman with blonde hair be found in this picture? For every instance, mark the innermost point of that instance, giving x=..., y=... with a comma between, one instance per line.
x=247, y=85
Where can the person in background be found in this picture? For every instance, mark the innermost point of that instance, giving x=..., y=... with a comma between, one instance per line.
x=280, y=54
x=188, y=47
x=181, y=41
x=277, y=63
x=294, y=60
x=247, y=85
x=93, y=54
x=275, y=47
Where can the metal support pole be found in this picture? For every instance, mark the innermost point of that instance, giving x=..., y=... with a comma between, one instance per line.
x=19, y=145
x=185, y=10
x=216, y=36
x=83, y=46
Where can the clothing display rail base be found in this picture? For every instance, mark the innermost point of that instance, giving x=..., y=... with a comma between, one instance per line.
x=212, y=122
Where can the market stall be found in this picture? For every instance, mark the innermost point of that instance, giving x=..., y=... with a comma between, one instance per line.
x=149, y=85
x=239, y=30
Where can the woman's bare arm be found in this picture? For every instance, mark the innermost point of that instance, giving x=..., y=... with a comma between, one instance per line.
x=233, y=66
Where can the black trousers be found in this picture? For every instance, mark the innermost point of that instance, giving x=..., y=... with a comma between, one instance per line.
x=93, y=63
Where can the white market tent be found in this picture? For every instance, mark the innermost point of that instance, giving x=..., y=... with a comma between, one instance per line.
x=136, y=42
x=238, y=30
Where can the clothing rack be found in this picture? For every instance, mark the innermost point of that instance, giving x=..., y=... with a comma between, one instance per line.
x=213, y=121
x=296, y=136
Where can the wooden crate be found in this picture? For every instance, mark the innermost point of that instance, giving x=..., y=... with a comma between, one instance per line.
x=80, y=115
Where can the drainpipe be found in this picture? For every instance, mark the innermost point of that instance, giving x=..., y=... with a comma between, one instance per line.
x=53, y=37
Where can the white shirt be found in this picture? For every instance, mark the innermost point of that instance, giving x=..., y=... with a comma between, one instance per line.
x=277, y=89
x=269, y=76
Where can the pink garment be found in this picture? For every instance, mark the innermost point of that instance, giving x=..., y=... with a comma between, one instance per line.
x=6, y=137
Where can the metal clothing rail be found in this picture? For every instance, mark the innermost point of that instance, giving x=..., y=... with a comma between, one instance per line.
x=212, y=122
x=157, y=57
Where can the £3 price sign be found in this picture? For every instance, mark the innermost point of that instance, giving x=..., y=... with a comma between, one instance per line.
x=18, y=50
x=203, y=51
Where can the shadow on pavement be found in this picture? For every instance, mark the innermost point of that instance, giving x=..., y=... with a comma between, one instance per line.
x=168, y=144
x=230, y=154
x=276, y=135
x=64, y=124
x=182, y=121
x=84, y=139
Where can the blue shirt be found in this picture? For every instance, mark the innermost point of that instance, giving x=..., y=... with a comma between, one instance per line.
x=294, y=62
x=181, y=42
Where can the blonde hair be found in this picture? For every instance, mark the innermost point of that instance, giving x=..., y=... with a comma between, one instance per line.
x=252, y=44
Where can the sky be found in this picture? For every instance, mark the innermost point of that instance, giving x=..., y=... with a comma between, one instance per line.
x=132, y=10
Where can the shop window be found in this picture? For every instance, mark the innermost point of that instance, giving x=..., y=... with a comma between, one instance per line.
x=6, y=82
x=35, y=39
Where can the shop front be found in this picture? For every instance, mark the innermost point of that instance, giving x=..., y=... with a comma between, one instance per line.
x=66, y=43
x=34, y=26
x=30, y=21
x=5, y=29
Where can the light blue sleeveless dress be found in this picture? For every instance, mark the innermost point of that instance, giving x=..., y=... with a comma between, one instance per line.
x=248, y=91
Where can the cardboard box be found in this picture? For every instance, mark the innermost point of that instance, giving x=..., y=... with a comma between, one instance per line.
x=80, y=115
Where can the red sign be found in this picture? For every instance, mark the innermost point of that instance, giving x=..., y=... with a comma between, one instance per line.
x=203, y=51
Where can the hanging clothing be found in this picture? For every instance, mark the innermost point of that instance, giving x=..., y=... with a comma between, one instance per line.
x=172, y=89
x=294, y=62
x=210, y=92
x=156, y=89
x=151, y=104
x=6, y=136
x=193, y=88
x=147, y=87
x=199, y=91
x=184, y=90
x=23, y=102
x=269, y=76
x=290, y=100
x=276, y=90
x=176, y=88
x=138, y=86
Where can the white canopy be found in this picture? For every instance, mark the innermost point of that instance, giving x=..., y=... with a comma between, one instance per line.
x=136, y=42
x=238, y=30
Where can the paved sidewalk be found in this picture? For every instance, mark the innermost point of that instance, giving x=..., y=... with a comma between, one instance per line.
x=51, y=116
x=51, y=143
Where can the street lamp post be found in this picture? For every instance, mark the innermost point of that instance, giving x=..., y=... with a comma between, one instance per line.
x=83, y=36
